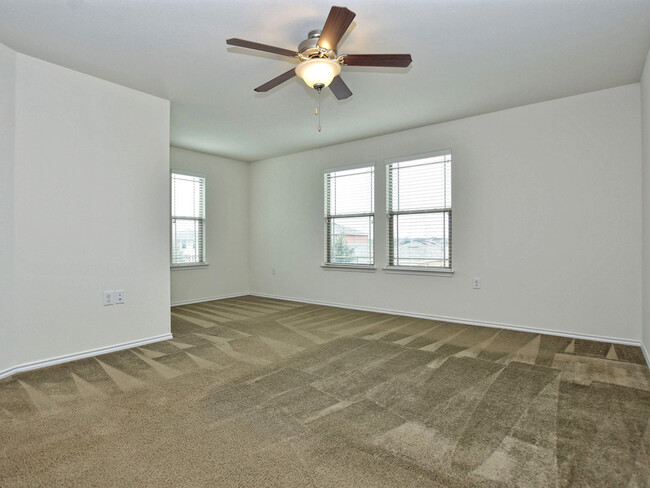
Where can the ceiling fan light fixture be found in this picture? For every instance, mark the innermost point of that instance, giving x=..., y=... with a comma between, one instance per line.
x=318, y=72
x=319, y=64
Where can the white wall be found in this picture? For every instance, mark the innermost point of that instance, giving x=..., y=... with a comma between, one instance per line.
x=91, y=204
x=645, y=110
x=547, y=212
x=227, y=237
x=7, y=131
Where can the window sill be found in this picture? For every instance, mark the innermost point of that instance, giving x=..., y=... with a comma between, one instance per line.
x=182, y=267
x=447, y=273
x=344, y=267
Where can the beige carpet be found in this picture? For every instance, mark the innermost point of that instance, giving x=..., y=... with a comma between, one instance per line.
x=259, y=392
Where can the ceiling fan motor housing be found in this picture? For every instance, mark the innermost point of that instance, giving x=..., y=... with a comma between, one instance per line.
x=309, y=47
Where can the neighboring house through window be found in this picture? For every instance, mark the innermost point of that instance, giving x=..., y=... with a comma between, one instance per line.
x=187, y=219
x=349, y=216
x=419, y=211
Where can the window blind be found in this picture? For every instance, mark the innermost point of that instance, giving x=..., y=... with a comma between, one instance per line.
x=419, y=211
x=349, y=216
x=187, y=219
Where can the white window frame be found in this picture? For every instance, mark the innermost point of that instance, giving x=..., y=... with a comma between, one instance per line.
x=204, y=262
x=327, y=224
x=428, y=270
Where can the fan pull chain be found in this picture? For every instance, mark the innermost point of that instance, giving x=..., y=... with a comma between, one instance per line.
x=317, y=111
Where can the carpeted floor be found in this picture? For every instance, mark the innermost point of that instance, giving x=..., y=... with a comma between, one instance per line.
x=261, y=393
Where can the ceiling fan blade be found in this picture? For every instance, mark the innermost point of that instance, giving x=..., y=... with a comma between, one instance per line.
x=387, y=60
x=340, y=89
x=260, y=47
x=335, y=26
x=276, y=81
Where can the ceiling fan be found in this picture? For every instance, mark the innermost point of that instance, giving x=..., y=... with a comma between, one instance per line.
x=320, y=65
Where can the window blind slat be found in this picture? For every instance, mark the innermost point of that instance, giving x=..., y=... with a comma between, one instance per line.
x=349, y=216
x=187, y=219
x=419, y=212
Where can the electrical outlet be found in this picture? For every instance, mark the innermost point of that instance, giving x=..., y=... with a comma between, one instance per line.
x=109, y=297
x=273, y=271
x=119, y=297
x=477, y=283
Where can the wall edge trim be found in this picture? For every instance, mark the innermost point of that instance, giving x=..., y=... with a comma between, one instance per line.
x=43, y=363
x=493, y=325
x=645, y=353
x=209, y=299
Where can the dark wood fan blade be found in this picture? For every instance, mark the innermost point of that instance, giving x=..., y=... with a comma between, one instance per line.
x=260, y=47
x=276, y=81
x=387, y=60
x=335, y=26
x=340, y=89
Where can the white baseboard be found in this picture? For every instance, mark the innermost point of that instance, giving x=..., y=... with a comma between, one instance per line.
x=81, y=355
x=209, y=299
x=645, y=354
x=496, y=325
x=127, y=345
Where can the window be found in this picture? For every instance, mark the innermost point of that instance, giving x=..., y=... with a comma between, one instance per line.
x=419, y=211
x=188, y=219
x=349, y=217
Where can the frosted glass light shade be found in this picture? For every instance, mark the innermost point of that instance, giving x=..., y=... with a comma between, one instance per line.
x=318, y=71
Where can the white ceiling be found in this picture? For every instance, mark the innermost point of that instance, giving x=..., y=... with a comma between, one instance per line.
x=469, y=57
